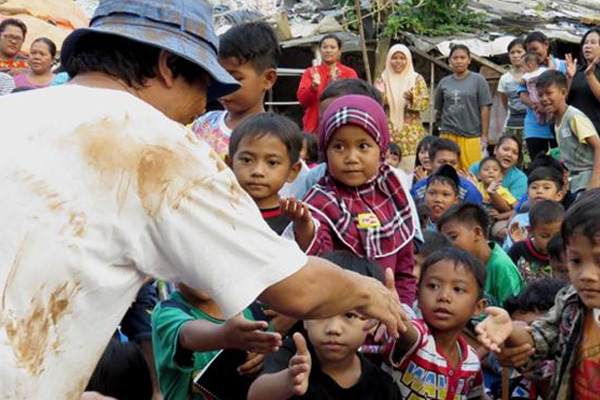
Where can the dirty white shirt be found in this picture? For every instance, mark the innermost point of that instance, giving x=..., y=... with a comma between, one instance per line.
x=99, y=190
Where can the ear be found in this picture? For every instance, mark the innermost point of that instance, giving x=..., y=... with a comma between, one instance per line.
x=228, y=161
x=164, y=72
x=478, y=232
x=560, y=195
x=294, y=171
x=269, y=78
x=480, y=307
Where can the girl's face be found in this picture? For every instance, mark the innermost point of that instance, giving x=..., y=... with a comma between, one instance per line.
x=539, y=48
x=459, y=61
x=424, y=158
x=40, y=59
x=353, y=156
x=330, y=51
x=439, y=197
x=398, y=62
x=516, y=54
x=507, y=154
x=591, y=47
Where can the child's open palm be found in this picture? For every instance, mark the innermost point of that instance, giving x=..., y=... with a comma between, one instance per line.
x=299, y=213
x=299, y=367
x=495, y=329
x=243, y=334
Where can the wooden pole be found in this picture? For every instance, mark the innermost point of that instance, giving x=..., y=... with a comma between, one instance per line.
x=505, y=383
x=432, y=99
x=363, y=44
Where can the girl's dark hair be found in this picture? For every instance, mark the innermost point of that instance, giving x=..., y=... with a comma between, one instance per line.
x=516, y=42
x=312, y=147
x=257, y=126
x=424, y=143
x=583, y=217
x=536, y=37
x=51, y=45
x=393, y=148
x=354, y=263
x=537, y=296
x=445, y=174
x=459, y=46
x=122, y=373
x=14, y=22
x=345, y=87
x=595, y=30
x=125, y=59
x=461, y=258
x=331, y=36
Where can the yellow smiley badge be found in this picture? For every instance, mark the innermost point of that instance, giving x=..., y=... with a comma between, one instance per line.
x=368, y=220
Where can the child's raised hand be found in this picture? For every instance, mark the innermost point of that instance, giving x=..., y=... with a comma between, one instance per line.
x=420, y=173
x=517, y=233
x=299, y=367
x=493, y=187
x=495, y=329
x=299, y=213
x=243, y=334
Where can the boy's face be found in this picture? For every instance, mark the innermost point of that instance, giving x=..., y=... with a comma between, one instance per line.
x=448, y=296
x=353, y=156
x=392, y=159
x=439, y=197
x=541, y=234
x=463, y=236
x=337, y=338
x=254, y=85
x=544, y=190
x=490, y=172
x=552, y=99
x=445, y=157
x=559, y=268
x=583, y=260
x=262, y=166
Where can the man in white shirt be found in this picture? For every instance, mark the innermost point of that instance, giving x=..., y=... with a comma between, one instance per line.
x=101, y=188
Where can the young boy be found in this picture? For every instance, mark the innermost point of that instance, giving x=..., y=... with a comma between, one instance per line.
x=250, y=53
x=441, y=152
x=329, y=366
x=264, y=154
x=431, y=360
x=576, y=136
x=188, y=331
x=531, y=255
x=558, y=258
x=467, y=227
x=570, y=332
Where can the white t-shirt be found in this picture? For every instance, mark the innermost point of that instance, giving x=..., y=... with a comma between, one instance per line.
x=99, y=190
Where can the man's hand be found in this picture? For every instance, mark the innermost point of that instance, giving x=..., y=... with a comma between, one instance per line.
x=299, y=367
x=239, y=333
x=279, y=322
x=495, y=329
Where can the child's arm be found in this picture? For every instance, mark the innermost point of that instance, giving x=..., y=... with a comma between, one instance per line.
x=292, y=381
x=498, y=329
x=304, y=226
x=594, y=143
x=498, y=202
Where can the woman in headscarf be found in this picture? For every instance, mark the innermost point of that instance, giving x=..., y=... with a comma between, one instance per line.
x=406, y=95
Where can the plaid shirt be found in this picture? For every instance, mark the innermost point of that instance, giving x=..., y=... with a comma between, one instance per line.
x=556, y=336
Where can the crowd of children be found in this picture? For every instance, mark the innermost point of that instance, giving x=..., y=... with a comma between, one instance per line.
x=475, y=253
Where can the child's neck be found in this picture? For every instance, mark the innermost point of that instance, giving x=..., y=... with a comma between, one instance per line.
x=560, y=112
x=484, y=252
x=447, y=344
x=233, y=119
x=209, y=307
x=268, y=203
x=345, y=373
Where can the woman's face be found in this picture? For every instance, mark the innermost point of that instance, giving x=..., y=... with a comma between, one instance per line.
x=507, y=154
x=40, y=59
x=539, y=48
x=459, y=61
x=12, y=40
x=330, y=51
x=516, y=55
x=398, y=62
x=424, y=158
x=591, y=47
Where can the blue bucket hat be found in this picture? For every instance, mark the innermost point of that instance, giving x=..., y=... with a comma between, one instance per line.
x=182, y=27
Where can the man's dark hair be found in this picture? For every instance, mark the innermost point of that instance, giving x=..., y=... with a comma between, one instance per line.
x=546, y=174
x=535, y=37
x=583, y=217
x=260, y=125
x=555, y=247
x=354, y=263
x=516, y=42
x=442, y=144
x=344, y=87
x=459, y=258
x=432, y=242
x=445, y=174
x=125, y=59
x=551, y=78
x=538, y=296
x=467, y=214
x=13, y=22
x=331, y=36
x=48, y=42
x=546, y=212
x=252, y=42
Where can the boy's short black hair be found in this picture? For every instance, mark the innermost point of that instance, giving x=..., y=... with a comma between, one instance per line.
x=458, y=257
x=583, y=217
x=546, y=174
x=551, y=78
x=432, y=242
x=468, y=214
x=312, y=147
x=264, y=124
x=445, y=174
x=537, y=296
x=253, y=42
x=345, y=87
x=555, y=247
x=488, y=159
x=354, y=263
x=546, y=212
x=442, y=144
x=544, y=160
x=393, y=148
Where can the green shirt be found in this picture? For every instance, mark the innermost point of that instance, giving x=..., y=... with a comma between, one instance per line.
x=502, y=277
x=175, y=380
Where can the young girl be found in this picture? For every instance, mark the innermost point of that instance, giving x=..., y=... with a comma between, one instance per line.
x=508, y=88
x=423, y=165
x=359, y=204
x=441, y=193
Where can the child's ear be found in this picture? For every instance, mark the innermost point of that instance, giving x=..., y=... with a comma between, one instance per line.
x=480, y=307
x=269, y=78
x=478, y=232
x=294, y=171
x=560, y=195
x=228, y=161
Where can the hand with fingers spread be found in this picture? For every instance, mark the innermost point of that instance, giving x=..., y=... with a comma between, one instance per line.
x=591, y=67
x=299, y=367
x=240, y=333
x=420, y=173
x=571, y=66
x=299, y=213
x=517, y=233
x=493, y=187
x=379, y=85
x=495, y=329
